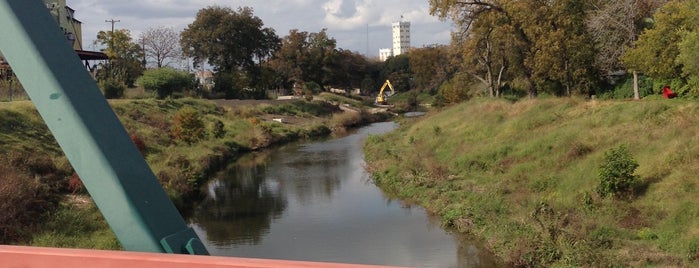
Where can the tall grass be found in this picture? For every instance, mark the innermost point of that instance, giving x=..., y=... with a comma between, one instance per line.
x=523, y=176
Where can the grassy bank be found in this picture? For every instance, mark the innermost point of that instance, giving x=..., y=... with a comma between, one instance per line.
x=183, y=141
x=523, y=177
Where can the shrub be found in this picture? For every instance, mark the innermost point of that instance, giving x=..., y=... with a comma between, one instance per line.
x=617, y=173
x=188, y=126
x=112, y=89
x=165, y=81
x=218, y=129
x=27, y=194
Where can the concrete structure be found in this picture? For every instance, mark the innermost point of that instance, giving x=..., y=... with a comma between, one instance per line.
x=401, y=40
x=65, y=16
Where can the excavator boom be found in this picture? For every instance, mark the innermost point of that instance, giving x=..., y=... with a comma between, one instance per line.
x=381, y=98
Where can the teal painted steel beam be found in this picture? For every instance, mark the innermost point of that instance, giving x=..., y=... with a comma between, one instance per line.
x=115, y=174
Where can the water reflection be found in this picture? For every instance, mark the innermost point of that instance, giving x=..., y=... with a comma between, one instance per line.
x=241, y=204
x=316, y=202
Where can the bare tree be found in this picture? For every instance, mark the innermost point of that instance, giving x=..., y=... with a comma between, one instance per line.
x=615, y=26
x=161, y=45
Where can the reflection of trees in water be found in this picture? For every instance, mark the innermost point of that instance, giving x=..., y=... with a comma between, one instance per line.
x=245, y=198
x=240, y=206
x=313, y=175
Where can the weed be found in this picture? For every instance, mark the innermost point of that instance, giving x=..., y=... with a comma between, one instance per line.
x=647, y=234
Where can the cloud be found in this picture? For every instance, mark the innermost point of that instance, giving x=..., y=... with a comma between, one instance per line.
x=357, y=25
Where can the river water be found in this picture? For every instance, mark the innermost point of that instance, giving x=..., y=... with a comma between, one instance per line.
x=315, y=202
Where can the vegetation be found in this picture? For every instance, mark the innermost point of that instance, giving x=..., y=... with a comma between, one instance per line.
x=161, y=45
x=570, y=47
x=111, y=88
x=617, y=173
x=125, y=57
x=39, y=186
x=235, y=43
x=187, y=126
x=166, y=81
x=524, y=176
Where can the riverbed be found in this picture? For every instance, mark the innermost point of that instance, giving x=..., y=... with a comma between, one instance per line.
x=315, y=202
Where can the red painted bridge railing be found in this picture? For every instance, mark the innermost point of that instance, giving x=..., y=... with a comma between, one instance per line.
x=36, y=257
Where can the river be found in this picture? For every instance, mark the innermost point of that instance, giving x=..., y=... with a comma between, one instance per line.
x=315, y=202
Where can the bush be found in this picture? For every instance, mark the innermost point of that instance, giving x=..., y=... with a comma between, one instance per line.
x=112, y=89
x=166, y=81
x=27, y=193
x=218, y=129
x=188, y=126
x=617, y=173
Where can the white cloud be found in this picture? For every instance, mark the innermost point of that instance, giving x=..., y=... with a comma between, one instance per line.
x=357, y=25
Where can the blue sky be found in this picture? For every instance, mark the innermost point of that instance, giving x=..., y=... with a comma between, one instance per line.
x=358, y=25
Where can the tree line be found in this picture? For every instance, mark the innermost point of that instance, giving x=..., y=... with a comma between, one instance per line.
x=624, y=48
x=567, y=47
x=248, y=59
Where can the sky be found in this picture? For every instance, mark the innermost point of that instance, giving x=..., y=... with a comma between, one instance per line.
x=362, y=26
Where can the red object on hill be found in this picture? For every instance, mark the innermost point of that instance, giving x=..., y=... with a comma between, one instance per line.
x=667, y=93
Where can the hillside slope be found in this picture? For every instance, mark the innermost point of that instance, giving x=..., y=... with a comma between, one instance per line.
x=523, y=178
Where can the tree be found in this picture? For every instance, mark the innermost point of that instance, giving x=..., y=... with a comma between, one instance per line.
x=483, y=51
x=161, y=45
x=562, y=55
x=614, y=27
x=125, y=57
x=307, y=57
x=227, y=39
x=346, y=69
x=397, y=70
x=236, y=43
x=494, y=32
x=430, y=67
x=531, y=45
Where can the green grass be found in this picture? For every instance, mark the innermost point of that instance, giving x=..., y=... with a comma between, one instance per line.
x=488, y=167
x=76, y=227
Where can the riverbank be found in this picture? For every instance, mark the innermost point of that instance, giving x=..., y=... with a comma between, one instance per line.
x=523, y=177
x=182, y=155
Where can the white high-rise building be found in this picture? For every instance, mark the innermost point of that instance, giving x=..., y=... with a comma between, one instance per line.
x=401, y=37
x=401, y=40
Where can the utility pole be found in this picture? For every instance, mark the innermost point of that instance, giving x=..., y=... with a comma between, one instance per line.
x=113, y=22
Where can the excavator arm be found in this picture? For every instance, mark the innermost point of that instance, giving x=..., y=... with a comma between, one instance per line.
x=381, y=98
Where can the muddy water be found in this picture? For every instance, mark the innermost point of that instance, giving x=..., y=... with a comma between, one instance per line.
x=315, y=202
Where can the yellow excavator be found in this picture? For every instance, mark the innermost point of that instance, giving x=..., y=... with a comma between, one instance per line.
x=381, y=98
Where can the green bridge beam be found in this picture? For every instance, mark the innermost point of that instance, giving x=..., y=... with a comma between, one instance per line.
x=91, y=136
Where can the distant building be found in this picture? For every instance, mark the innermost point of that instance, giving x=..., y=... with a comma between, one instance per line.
x=401, y=37
x=65, y=16
x=401, y=40
x=384, y=53
x=71, y=29
x=205, y=78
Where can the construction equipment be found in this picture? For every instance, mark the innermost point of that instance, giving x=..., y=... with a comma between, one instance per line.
x=381, y=98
